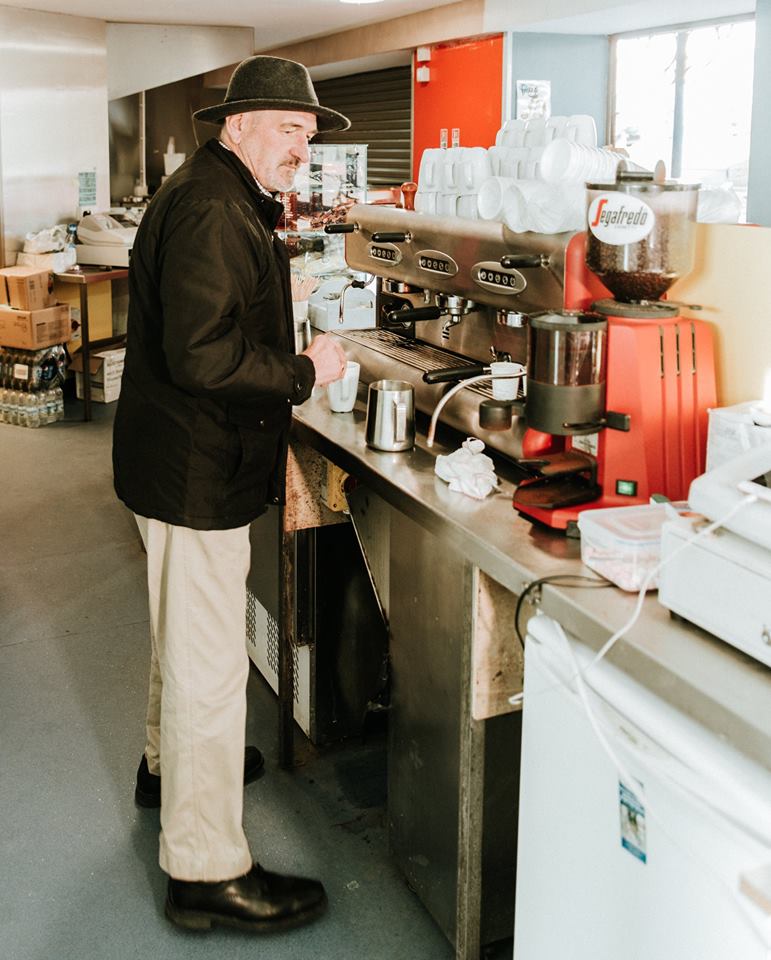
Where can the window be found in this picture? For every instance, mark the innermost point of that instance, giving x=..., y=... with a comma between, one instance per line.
x=684, y=95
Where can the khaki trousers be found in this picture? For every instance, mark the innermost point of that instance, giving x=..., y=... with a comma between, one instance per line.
x=196, y=711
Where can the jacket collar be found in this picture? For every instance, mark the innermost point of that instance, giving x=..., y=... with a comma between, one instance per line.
x=270, y=209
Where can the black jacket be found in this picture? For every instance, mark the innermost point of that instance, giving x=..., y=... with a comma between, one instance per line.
x=203, y=416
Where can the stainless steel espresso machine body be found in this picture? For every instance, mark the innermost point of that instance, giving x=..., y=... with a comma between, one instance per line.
x=450, y=293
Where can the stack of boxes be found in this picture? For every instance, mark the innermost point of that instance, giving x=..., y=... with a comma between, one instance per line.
x=33, y=328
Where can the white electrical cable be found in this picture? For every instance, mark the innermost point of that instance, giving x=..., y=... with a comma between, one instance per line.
x=704, y=532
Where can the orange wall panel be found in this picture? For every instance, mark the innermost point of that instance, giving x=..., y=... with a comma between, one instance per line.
x=465, y=91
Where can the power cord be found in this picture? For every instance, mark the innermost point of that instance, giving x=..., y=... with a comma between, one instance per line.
x=558, y=580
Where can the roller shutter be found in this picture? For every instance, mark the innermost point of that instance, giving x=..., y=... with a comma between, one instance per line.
x=379, y=104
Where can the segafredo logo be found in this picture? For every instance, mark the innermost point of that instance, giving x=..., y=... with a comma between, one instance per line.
x=617, y=218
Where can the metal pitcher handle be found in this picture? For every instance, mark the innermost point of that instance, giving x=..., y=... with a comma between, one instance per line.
x=401, y=420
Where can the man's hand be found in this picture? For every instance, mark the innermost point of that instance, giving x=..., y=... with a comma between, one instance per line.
x=328, y=359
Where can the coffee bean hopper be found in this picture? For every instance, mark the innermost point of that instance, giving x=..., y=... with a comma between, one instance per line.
x=647, y=434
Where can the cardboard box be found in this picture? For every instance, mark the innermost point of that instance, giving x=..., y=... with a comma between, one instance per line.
x=106, y=368
x=32, y=329
x=99, y=309
x=26, y=288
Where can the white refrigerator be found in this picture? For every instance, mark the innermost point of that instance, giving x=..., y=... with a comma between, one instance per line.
x=642, y=836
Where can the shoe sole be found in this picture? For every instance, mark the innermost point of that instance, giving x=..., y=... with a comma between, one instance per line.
x=201, y=921
x=151, y=801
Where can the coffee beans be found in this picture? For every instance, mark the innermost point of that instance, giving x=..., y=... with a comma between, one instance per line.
x=647, y=268
x=632, y=287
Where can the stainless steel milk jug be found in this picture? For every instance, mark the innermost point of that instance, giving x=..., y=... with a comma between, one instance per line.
x=391, y=415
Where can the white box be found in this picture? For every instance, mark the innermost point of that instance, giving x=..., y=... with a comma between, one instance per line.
x=324, y=307
x=721, y=583
x=106, y=368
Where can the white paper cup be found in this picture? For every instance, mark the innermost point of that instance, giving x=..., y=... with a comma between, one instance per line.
x=506, y=379
x=342, y=393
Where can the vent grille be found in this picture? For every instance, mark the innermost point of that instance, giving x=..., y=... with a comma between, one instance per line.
x=379, y=106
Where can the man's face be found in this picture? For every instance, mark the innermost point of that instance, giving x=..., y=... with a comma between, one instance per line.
x=272, y=144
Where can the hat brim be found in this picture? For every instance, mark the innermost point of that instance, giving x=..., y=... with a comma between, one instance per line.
x=328, y=120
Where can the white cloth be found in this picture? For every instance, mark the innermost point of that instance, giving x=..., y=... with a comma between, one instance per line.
x=468, y=470
x=196, y=711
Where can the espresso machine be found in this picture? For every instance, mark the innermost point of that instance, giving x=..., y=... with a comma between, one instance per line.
x=613, y=408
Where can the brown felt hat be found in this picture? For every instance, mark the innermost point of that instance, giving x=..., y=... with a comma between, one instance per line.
x=270, y=83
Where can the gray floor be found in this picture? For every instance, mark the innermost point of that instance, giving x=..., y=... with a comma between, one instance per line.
x=79, y=877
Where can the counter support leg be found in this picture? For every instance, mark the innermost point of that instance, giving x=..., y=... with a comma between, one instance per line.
x=286, y=587
x=470, y=823
x=85, y=350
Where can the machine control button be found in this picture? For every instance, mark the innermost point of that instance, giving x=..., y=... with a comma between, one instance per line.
x=384, y=252
x=491, y=276
x=434, y=261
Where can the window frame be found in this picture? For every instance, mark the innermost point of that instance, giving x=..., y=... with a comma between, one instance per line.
x=674, y=28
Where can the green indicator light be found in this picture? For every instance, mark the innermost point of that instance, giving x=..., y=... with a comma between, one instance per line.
x=626, y=488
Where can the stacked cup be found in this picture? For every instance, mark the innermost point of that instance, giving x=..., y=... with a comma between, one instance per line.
x=565, y=160
x=449, y=181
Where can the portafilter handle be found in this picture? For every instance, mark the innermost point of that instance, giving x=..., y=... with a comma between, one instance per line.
x=455, y=373
x=411, y=315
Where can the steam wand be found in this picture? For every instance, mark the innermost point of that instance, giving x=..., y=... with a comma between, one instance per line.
x=487, y=375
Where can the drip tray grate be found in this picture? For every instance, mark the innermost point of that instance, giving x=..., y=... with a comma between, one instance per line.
x=413, y=353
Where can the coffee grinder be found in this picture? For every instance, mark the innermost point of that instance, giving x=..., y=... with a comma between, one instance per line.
x=621, y=383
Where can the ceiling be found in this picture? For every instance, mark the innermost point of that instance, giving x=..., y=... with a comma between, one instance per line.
x=275, y=22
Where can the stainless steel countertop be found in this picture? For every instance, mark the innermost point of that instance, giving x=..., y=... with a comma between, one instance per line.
x=726, y=691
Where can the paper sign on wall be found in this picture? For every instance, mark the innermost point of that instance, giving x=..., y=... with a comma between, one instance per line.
x=87, y=188
x=533, y=99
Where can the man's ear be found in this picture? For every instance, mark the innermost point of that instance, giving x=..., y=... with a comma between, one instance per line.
x=234, y=124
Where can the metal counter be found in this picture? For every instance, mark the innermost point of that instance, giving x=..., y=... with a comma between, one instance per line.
x=725, y=691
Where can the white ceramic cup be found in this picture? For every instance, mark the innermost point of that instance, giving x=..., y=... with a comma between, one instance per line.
x=491, y=194
x=429, y=176
x=473, y=169
x=342, y=393
x=447, y=204
x=513, y=133
x=425, y=201
x=581, y=128
x=468, y=206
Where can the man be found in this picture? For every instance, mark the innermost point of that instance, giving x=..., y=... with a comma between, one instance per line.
x=199, y=449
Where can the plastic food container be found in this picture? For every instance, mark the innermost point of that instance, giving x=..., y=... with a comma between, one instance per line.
x=623, y=544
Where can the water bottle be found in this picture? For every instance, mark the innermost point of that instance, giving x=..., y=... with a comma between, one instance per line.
x=21, y=409
x=33, y=410
x=59, y=394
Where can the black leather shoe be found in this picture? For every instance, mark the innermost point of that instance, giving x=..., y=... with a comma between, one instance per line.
x=259, y=901
x=148, y=788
